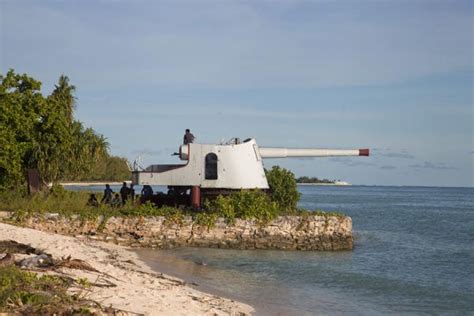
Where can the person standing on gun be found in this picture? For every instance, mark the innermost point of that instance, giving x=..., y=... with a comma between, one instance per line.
x=188, y=137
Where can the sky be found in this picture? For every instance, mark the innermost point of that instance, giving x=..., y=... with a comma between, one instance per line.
x=392, y=76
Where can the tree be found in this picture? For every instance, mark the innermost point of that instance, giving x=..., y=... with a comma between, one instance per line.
x=21, y=108
x=116, y=169
x=39, y=132
x=53, y=144
x=284, y=190
x=64, y=93
x=89, y=149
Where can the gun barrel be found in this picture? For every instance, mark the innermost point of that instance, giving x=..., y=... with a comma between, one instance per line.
x=310, y=152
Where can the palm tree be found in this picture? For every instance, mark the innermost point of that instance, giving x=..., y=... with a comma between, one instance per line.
x=64, y=92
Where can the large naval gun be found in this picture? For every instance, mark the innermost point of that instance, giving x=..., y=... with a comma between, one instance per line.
x=209, y=170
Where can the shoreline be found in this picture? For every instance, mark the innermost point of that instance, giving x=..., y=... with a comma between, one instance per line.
x=140, y=289
x=198, y=271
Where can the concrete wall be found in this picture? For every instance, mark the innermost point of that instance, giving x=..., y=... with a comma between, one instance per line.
x=285, y=232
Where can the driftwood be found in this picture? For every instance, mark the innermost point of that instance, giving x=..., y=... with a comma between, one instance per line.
x=11, y=246
x=44, y=261
x=103, y=283
x=67, y=262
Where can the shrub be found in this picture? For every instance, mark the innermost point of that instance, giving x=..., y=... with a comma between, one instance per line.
x=224, y=207
x=246, y=204
x=284, y=190
x=27, y=293
x=207, y=220
x=58, y=191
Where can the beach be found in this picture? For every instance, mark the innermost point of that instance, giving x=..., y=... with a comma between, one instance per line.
x=139, y=289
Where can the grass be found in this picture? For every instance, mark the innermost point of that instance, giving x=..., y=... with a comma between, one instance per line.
x=28, y=293
x=69, y=203
x=251, y=205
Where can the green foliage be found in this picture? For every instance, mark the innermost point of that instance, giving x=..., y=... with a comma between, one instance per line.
x=116, y=169
x=245, y=204
x=58, y=191
x=107, y=168
x=87, y=150
x=20, y=105
x=27, y=292
x=206, y=219
x=40, y=132
x=284, y=190
x=253, y=204
x=224, y=206
x=84, y=282
x=64, y=94
x=60, y=201
x=174, y=216
x=74, y=204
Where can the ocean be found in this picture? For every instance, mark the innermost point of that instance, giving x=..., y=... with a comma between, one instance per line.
x=413, y=254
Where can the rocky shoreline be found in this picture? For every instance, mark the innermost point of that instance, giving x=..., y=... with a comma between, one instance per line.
x=312, y=232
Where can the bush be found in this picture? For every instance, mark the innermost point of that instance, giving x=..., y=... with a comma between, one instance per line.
x=224, y=206
x=207, y=220
x=284, y=190
x=246, y=204
x=27, y=293
x=58, y=191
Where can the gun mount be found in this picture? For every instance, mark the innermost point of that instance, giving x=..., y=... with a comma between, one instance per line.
x=210, y=169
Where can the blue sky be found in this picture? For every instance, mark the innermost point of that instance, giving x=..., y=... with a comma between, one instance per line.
x=394, y=76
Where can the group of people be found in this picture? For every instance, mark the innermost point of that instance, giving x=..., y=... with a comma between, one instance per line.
x=113, y=199
x=128, y=193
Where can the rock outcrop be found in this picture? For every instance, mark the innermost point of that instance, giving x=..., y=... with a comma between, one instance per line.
x=285, y=232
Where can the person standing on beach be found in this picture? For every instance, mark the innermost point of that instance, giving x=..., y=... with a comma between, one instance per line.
x=124, y=193
x=132, y=192
x=188, y=137
x=107, y=195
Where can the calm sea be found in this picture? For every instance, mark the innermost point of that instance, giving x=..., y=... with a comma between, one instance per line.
x=414, y=254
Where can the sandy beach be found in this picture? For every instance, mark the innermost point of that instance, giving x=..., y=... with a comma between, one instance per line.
x=139, y=289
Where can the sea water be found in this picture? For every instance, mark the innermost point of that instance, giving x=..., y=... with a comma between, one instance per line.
x=413, y=254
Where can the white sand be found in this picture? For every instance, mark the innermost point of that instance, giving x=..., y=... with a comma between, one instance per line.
x=139, y=289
